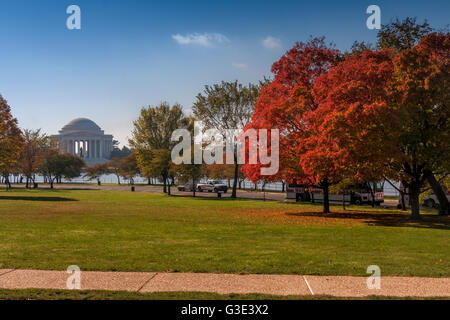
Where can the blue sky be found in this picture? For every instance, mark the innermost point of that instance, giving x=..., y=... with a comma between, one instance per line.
x=130, y=54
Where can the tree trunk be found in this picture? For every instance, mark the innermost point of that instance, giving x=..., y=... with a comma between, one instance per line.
x=326, y=198
x=444, y=205
x=343, y=199
x=171, y=182
x=402, y=201
x=8, y=183
x=194, y=178
x=236, y=172
x=118, y=179
x=372, y=193
x=164, y=184
x=414, y=191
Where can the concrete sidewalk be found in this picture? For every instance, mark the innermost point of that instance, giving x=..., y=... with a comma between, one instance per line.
x=339, y=286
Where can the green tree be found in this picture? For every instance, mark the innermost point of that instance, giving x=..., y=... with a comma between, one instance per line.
x=96, y=172
x=128, y=168
x=421, y=88
x=11, y=140
x=54, y=165
x=402, y=34
x=151, y=139
x=35, y=143
x=114, y=167
x=146, y=156
x=73, y=166
x=358, y=48
x=227, y=106
x=397, y=34
x=160, y=165
x=117, y=152
x=189, y=172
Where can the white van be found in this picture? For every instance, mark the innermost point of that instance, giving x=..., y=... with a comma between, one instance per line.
x=358, y=194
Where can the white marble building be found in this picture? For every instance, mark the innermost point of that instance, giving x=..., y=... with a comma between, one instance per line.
x=84, y=138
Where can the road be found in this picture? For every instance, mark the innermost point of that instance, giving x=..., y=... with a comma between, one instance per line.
x=242, y=194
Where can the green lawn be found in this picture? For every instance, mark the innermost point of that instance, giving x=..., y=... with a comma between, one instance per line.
x=113, y=230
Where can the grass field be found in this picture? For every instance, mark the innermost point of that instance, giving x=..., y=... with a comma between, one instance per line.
x=113, y=230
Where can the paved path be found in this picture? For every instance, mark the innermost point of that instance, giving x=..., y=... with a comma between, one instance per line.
x=339, y=286
x=241, y=194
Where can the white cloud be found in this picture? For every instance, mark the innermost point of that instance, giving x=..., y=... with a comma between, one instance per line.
x=271, y=42
x=205, y=39
x=239, y=65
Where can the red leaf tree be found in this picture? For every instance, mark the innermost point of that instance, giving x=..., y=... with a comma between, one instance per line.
x=288, y=104
x=354, y=114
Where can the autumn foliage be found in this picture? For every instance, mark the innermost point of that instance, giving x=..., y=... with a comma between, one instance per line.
x=11, y=139
x=355, y=115
x=362, y=116
x=365, y=116
x=288, y=104
x=421, y=92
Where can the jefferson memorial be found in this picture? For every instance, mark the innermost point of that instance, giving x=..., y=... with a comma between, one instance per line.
x=84, y=138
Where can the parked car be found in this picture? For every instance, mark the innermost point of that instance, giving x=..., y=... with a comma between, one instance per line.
x=432, y=201
x=212, y=186
x=429, y=201
x=189, y=186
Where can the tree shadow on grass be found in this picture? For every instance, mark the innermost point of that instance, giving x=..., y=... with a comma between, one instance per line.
x=225, y=196
x=28, y=198
x=48, y=189
x=71, y=189
x=213, y=197
x=380, y=218
x=58, y=188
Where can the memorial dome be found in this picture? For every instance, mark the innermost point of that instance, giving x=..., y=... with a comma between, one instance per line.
x=81, y=124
